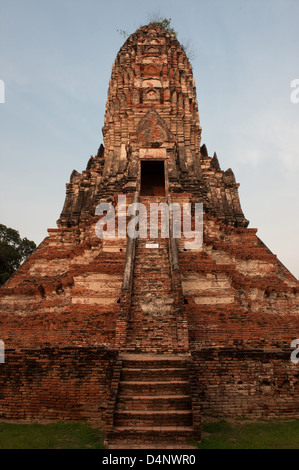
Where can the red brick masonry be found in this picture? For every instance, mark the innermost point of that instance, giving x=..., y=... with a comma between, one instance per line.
x=150, y=340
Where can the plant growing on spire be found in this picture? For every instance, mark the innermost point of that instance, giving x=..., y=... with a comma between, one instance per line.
x=154, y=18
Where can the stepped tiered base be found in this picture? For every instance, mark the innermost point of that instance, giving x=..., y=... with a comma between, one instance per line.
x=78, y=304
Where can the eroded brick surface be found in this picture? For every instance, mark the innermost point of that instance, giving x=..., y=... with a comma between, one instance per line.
x=80, y=304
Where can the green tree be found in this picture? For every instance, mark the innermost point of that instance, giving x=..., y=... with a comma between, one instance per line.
x=14, y=250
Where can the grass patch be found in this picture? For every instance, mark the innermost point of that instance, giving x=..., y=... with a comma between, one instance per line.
x=238, y=434
x=59, y=435
x=261, y=434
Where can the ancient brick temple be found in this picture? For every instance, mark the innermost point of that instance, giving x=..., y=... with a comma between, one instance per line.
x=150, y=339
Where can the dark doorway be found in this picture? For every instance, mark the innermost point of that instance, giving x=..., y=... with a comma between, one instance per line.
x=152, y=178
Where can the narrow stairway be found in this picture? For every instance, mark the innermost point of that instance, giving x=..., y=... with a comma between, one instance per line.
x=153, y=404
x=153, y=408
x=152, y=325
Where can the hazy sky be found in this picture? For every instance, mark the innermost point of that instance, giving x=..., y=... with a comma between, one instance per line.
x=56, y=59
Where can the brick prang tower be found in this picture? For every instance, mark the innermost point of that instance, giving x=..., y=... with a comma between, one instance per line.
x=152, y=112
x=148, y=340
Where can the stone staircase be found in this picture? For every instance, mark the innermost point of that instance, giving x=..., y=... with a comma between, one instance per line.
x=152, y=325
x=154, y=405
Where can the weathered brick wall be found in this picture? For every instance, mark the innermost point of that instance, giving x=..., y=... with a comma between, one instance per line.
x=250, y=383
x=230, y=293
x=66, y=294
x=236, y=292
x=69, y=383
x=74, y=383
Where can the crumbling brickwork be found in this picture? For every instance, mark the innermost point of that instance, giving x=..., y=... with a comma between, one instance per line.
x=56, y=383
x=152, y=112
x=90, y=323
x=250, y=383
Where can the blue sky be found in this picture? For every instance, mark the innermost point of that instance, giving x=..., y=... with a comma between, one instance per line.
x=56, y=59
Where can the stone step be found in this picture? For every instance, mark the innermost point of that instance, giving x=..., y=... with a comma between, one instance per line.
x=161, y=241
x=156, y=290
x=150, y=434
x=159, y=278
x=153, y=263
x=148, y=254
x=152, y=327
x=147, y=261
x=151, y=199
x=151, y=445
x=162, y=249
x=154, y=293
x=164, y=284
x=155, y=403
x=143, y=323
x=152, y=271
x=148, y=257
x=151, y=361
x=153, y=418
x=153, y=388
x=149, y=294
x=155, y=374
x=152, y=267
x=135, y=347
x=164, y=295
